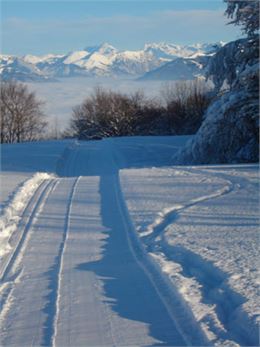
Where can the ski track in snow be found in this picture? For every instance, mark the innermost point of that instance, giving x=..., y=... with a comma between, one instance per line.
x=186, y=325
x=65, y=167
x=60, y=260
x=30, y=213
x=212, y=281
x=214, y=289
x=77, y=160
x=14, y=208
x=168, y=215
x=10, y=263
x=210, y=278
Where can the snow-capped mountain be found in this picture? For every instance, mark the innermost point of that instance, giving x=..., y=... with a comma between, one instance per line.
x=170, y=51
x=19, y=69
x=179, y=69
x=189, y=62
x=103, y=60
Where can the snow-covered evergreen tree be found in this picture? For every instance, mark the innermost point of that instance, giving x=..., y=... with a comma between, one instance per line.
x=230, y=131
x=244, y=13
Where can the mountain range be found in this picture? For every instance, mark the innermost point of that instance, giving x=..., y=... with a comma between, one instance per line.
x=154, y=61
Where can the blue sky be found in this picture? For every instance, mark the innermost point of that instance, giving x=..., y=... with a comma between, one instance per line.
x=40, y=27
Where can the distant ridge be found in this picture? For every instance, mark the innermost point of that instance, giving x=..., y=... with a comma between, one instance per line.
x=106, y=60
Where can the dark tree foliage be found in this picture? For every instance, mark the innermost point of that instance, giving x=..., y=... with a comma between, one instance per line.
x=186, y=103
x=244, y=13
x=230, y=131
x=231, y=60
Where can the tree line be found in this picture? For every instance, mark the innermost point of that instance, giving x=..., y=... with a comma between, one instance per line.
x=106, y=113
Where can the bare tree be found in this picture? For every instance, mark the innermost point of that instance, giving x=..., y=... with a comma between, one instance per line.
x=103, y=114
x=186, y=103
x=21, y=116
x=106, y=113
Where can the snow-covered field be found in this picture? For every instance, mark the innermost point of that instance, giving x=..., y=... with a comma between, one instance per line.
x=20, y=162
x=201, y=225
x=106, y=243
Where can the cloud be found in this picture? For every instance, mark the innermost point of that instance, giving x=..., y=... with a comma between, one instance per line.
x=60, y=35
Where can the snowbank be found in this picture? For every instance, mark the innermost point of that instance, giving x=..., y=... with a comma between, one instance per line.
x=12, y=213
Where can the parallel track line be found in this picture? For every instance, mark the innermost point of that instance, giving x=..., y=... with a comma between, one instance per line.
x=61, y=262
x=45, y=187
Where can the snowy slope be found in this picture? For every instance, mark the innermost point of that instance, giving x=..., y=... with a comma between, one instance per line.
x=19, y=69
x=19, y=162
x=178, y=69
x=190, y=64
x=120, y=248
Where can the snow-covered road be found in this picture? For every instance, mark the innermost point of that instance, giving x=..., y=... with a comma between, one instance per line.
x=74, y=277
x=100, y=256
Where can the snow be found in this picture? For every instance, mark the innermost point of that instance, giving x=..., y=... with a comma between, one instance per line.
x=11, y=214
x=5, y=58
x=114, y=246
x=233, y=118
x=33, y=59
x=230, y=130
x=173, y=50
x=96, y=60
x=205, y=240
x=134, y=55
x=20, y=162
x=24, y=167
x=107, y=49
x=103, y=60
x=74, y=57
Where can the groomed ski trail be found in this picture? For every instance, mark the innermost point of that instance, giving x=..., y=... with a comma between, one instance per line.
x=83, y=277
x=61, y=259
x=123, y=307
